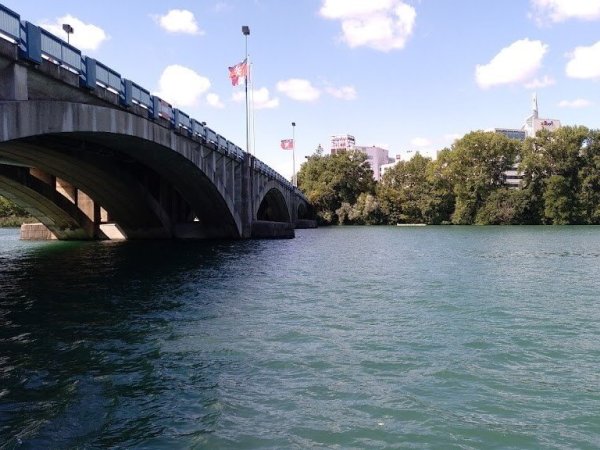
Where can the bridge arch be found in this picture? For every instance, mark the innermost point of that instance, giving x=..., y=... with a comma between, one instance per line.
x=129, y=165
x=273, y=207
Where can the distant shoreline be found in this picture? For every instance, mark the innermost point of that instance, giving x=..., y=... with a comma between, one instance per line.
x=15, y=221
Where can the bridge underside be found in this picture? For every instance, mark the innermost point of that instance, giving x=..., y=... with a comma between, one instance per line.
x=75, y=184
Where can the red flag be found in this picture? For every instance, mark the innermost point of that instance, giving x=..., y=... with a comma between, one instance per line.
x=238, y=71
x=287, y=144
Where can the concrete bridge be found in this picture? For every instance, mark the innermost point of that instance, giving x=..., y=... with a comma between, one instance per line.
x=92, y=155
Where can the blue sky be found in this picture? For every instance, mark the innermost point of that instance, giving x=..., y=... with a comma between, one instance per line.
x=406, y=75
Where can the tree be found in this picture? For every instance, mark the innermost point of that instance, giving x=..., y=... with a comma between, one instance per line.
x=403, y=190
x=8, y=209
x=505, y=206
x=477, y=164
x=331, y=180
x=558, y=171
x=589, y=179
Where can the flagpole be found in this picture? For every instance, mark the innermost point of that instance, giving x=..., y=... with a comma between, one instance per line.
x=246, y=32
x=294, y=179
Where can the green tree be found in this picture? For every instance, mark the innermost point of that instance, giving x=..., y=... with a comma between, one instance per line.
x=9, y=209
x=403, y=190
x=331, y=180
x=505, y=206
x=477, y=163
x=589, y=179
x=557, y=173
x=438, y=205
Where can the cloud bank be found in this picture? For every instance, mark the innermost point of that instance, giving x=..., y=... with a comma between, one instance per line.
x=382, y=25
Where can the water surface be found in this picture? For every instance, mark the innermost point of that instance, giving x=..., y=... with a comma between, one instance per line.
x=345, y=337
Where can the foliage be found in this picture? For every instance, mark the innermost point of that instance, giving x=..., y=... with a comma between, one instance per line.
x=465, y=184
x=333, y=181
x=477, y=162
x=416, y=191
x=12, y=215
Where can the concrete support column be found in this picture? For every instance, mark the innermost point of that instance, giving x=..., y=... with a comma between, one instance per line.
x=86, y=205
x=247, y=195
x=14, y=83
x=67, y=190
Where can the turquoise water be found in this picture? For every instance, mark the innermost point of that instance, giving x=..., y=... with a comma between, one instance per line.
x=345, y=337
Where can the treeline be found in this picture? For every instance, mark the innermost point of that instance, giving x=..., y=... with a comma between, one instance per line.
x=11, y=215
x=466, y=183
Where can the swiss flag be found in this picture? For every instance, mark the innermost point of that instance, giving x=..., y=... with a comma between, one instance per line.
x=287, y=144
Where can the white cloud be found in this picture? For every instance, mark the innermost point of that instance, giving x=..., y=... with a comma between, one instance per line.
x=539, y=83
x=182, y=86
x=213, y=100
x=561, y=10
x=346, y=9
x=577, y=103
x=451, y=137
x=299, y=89
x=517, y=63
x=179, y=21
x=585, y=62
x=85, y=36
x=383, y=25
x=343, y=92
x=261, y=98
x=420, y=142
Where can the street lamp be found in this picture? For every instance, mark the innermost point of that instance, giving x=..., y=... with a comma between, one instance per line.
x=69, y=30
x=294, y=179
x=246, y=33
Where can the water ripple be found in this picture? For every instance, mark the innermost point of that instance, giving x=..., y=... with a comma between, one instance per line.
x=349, y=337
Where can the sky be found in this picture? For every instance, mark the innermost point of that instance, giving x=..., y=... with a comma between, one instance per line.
x=406, y=75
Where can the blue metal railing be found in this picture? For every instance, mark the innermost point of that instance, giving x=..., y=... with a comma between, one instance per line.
x=135, y=94
x=181, y=119
x=10, y=23
x=36, y=44
x=108, y=78
x=57, y=49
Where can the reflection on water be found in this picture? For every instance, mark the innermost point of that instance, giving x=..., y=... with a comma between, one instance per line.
x=366, y=337
x=82, y=329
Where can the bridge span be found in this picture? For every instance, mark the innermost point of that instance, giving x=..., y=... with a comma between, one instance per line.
x=92, y=155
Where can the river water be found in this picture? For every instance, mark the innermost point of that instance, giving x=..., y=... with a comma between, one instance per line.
x=345, y=337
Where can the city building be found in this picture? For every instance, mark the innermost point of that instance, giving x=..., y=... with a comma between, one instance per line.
x=512, y=133
x=377, y=157
x=512, y=177
x=385, y=167
x=534, y=123
x=341, y=143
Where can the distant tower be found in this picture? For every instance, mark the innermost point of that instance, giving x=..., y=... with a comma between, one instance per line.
x=534, y=123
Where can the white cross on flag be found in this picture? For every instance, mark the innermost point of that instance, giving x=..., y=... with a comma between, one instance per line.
x=287, y=144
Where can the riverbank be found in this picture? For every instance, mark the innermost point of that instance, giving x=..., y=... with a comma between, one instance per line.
x=15, y=221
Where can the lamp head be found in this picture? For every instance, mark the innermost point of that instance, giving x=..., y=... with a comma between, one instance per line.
x=245, y=30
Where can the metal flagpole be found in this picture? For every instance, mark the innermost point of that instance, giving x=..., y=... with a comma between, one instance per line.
x=246, y=32
x=294, y=179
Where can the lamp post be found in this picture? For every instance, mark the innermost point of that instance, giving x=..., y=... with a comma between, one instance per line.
x=294, y=179
x=69, y=30
x=246, y=33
